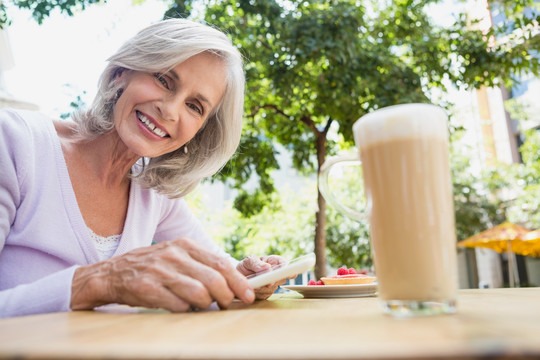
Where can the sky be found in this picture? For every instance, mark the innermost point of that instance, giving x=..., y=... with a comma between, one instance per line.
x=63, y=58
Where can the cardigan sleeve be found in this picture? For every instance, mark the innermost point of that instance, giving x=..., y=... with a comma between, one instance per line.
x=12, y=172
x=46, y=295
x=51, y=293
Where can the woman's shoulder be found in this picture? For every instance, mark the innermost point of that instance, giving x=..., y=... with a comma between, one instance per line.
x=23, y=125
x=27, y=142
x=157, y=207
x=151, y=198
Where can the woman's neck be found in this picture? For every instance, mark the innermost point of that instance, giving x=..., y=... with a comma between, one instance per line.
x=106, y=157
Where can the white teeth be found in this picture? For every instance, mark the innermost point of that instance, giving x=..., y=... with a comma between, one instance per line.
x=150, y=125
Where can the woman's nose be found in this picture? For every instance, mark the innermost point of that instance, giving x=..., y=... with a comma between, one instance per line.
x=171, y=108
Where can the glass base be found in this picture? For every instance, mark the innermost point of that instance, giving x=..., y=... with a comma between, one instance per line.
x=407, y=308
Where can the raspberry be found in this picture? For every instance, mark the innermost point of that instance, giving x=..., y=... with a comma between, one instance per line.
x=312, y=282
x=342, y=270
x=352, y=271
x=319, y=282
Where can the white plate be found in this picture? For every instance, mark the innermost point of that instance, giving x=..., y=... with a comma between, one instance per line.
x=334, y=291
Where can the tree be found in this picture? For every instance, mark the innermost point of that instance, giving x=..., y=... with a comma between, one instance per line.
x=315, y=66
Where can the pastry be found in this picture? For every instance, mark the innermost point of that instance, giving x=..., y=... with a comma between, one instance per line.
x=348, y=279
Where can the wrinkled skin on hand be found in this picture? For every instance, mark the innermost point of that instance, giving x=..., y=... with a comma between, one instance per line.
x=175, y=275
x=253, y=264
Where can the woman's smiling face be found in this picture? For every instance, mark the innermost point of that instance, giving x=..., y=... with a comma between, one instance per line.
x=158, y=113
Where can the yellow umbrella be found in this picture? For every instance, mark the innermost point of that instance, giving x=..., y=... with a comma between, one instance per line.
x=500, y=238
x=529, y=245
x=496, y=238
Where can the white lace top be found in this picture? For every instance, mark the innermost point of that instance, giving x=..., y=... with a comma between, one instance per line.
x=105, y=246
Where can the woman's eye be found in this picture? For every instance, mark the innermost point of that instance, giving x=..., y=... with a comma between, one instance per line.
x=163, y=80
x=196, y=108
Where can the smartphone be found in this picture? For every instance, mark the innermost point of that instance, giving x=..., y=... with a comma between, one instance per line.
x=282, y=271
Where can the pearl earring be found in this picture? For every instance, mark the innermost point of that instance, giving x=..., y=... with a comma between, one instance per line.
x=185, y=149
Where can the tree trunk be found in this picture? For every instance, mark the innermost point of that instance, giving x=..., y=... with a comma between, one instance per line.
x=320, y=216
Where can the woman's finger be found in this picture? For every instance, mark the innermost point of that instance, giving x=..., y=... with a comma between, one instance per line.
x=222, y=279
x=203, y=285
x=190, y=290
x=160, y=297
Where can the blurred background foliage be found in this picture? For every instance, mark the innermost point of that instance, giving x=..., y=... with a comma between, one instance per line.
x=518, y=185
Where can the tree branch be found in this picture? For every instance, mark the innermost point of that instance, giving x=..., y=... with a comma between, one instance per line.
x=327, y=126
x=310, y=124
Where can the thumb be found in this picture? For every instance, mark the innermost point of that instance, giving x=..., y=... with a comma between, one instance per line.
x=252, y=264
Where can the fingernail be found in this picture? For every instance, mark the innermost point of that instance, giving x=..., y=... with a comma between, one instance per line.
x=249, y=295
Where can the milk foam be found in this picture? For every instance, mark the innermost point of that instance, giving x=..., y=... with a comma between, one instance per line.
x=401, y=121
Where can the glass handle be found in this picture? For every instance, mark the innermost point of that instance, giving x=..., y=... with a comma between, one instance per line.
x=326, y=192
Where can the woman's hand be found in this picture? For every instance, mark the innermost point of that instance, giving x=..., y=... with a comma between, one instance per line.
x=173, y=275
x=253, y=264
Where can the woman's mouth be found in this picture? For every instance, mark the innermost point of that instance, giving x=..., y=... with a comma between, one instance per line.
x=150, y=125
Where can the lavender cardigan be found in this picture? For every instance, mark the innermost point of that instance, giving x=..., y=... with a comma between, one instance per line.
x=43, y=237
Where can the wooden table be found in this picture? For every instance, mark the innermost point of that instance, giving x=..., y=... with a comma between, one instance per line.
x=490, y=323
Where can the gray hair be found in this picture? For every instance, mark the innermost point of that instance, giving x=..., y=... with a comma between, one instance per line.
x=159, y=48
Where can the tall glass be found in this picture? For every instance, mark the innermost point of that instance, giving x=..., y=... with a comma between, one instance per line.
x=405, y=165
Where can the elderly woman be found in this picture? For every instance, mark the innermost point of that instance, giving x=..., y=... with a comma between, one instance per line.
x=82, y=201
